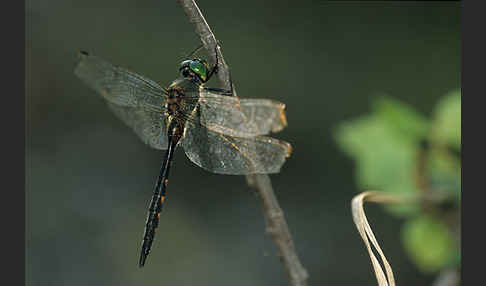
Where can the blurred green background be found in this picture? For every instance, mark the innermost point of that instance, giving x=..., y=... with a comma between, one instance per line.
x=89, y=178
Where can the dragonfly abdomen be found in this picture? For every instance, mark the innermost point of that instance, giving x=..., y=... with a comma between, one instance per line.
x=152, y=222
x=158, y=198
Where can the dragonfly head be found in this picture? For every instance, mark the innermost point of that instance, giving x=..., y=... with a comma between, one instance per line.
x=195, y=68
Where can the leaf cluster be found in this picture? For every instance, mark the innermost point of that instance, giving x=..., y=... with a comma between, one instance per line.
x=402, y=152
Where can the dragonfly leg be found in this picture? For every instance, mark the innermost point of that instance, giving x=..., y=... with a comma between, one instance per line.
x=231, y=82
x=214, y=69
x=219, y=91
x=188, y=57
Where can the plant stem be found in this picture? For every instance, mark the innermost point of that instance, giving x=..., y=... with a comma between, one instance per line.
x=274, y=216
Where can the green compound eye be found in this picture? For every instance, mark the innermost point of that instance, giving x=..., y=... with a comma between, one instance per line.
x=199, y=68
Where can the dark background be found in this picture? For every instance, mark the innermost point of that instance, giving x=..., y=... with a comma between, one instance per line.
x=89, y=178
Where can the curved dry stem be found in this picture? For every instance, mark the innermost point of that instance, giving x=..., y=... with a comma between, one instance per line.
x=274, y=216
x=364, y=229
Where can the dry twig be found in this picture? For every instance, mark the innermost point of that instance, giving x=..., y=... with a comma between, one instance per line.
x=364, y=229
x=274, y=216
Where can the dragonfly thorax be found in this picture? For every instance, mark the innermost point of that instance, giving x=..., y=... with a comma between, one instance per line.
x=174, y=100
x=181, y=98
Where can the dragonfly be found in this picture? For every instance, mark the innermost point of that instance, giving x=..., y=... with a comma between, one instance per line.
x=219, y=132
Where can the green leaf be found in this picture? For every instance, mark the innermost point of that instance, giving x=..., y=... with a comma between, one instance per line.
x=401, y=118
x=385, y=158
x=445, y=172
x=429, y=243
x=444, y=166
x=447, y=120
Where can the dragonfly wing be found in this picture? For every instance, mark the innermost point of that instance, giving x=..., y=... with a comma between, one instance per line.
x=118, y=85
x=241, y=117
x=149, y=126
x=268, y=115
x=224, y=154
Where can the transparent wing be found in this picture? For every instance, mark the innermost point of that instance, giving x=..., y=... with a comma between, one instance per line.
x=241, y=117
x=118, y=85
x=149, y=126
x=224, y=154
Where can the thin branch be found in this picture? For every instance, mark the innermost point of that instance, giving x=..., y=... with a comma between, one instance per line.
x=207, y=38
x=277, y=227
x=274, y=216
